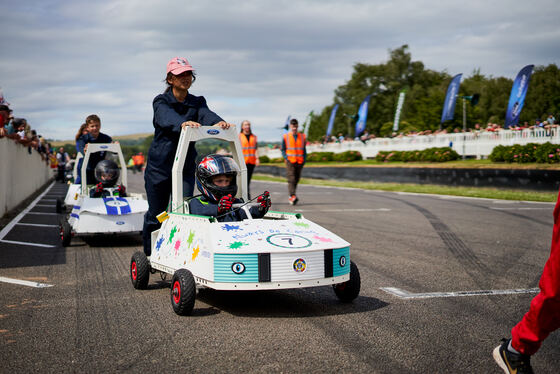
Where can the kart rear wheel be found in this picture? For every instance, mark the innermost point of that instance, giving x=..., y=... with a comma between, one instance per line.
x=183, y=292
x=139, y=271
x=65, y=233
x=59, y=205
x=350, y=289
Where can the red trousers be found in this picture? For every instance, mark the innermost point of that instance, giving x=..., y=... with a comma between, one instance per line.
x=543, y=316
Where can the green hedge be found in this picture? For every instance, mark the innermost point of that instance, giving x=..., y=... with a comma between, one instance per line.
x=543, y=153
x=442, y=154
x=347, y=156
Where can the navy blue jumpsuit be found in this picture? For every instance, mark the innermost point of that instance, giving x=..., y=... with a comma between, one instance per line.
x=169, y=114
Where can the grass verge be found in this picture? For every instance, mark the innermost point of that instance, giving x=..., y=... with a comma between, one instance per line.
x=489, y=193
x=467, y=164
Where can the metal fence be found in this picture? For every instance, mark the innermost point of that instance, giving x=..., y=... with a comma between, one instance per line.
x=477, y=144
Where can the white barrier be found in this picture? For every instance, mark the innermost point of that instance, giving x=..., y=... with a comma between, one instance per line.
x=21, y=174
x=471, y=144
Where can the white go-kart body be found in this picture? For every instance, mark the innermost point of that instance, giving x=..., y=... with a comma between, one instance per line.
x=279, y=251
x=102, y=215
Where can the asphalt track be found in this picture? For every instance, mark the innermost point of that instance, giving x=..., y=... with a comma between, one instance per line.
x=443, y=279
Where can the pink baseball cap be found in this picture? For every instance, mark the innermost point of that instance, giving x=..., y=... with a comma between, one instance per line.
x=178, y=65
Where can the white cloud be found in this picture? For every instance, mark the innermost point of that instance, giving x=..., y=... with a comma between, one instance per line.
x=257, y=60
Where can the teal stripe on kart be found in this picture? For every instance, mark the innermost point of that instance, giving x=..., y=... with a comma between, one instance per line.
x=223, y=267
x=341, y=261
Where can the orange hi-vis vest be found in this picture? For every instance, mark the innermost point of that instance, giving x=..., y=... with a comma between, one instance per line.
x=249, y=148
x=295, y=147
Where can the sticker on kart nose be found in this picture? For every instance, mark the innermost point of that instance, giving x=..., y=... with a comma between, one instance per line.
x=116, y=206
x=288, y=241
x=300, y=265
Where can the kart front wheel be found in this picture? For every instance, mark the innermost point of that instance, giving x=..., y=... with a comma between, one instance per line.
x=65, y=233
x=183, y=292
x=139, y=270
x=350, y=289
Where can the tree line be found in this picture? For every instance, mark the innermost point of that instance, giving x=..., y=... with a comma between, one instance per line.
x=425, y=96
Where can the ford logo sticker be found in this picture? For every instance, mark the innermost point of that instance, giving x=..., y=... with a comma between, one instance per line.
x=103, y=146
x=120, y=222
x=213, y=132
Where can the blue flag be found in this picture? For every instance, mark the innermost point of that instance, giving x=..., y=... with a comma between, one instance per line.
x=331, y=120
x=517, y=96
x=287, y=124
x=362, y=116
x=449, y=105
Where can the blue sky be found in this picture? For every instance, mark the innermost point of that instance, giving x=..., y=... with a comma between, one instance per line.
x=256, y=60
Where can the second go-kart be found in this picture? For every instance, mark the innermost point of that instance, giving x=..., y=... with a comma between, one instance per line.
x=73, y=189
x=279, y=251
x=107, y=207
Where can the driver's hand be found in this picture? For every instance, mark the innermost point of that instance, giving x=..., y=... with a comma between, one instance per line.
x=264, y=201
x=224, y=125
x=225, y=204
x=190, y=124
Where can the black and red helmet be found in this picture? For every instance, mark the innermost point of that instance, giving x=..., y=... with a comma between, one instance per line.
x=211, y=166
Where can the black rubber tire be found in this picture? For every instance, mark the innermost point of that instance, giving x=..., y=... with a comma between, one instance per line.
x=139, y=271
x=350, y=289
x=65, y=233
x=183, y=292
x=59, y=206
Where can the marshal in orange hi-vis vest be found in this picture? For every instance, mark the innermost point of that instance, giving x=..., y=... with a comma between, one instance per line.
x=295, y=147
x=249, y=148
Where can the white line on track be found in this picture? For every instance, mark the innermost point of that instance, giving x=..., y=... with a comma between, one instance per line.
x=35, y=224
x=25, y=283
x=345, y=210
x=11, y=225
x=45, y=205
x=43, y=213
x=522, y=208
x=402, y=294
x=27, y=243
x=49, y=199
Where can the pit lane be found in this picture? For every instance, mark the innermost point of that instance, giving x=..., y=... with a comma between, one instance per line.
x=92, y=320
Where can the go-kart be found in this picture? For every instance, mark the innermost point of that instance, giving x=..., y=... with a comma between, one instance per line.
x=73, y=189
x=108, y=213
x=279, y=251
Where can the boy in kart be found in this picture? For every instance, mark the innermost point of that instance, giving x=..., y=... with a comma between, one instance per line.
x=216, y=177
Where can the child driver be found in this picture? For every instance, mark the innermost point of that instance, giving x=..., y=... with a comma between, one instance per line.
x=216, y=179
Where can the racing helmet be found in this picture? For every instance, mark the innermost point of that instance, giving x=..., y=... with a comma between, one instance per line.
x=211, y=166
x=107, y=172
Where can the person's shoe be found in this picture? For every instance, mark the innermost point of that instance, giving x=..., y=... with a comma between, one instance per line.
x=296, y=200
x=292, y=200
x=511, y=363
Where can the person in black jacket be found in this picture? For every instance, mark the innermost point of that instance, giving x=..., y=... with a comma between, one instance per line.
x=216, y=179
x=174, y=109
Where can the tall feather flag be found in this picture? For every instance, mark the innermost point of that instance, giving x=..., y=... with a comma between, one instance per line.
x=307, y=123
x=400, y=103
x=287, y=124
x=362, y=116
x=331, y=120
x=449, y=105
x=517, y=96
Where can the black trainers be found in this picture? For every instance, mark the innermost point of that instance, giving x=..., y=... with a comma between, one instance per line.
x=512, y=363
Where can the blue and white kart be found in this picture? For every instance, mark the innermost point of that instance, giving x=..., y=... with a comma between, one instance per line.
x=109, y=214
x=279, y=251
